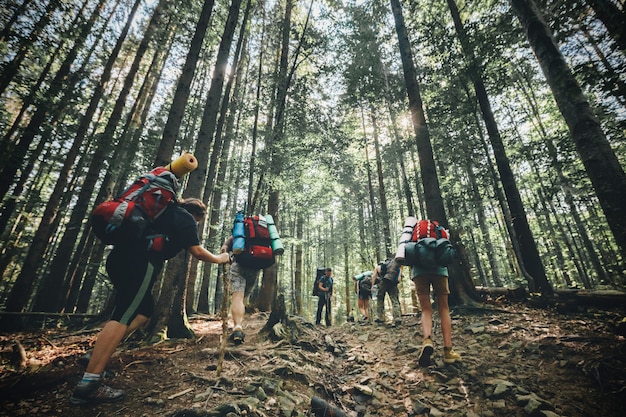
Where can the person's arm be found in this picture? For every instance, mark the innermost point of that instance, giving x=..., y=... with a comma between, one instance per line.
x=375, y=275
x=400, y=274
x=202, y=254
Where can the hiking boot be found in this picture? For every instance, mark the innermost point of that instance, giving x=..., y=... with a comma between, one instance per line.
x=95, y=392
x=427, y=350
x=238, y=336
x=450, y=356
x=379, y=321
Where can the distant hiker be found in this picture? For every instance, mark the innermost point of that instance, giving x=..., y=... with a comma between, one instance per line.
x=133, y=270
x=325, y=293
x=438, y=278
x=363, y=289
x=387, y=276
x=254, y=243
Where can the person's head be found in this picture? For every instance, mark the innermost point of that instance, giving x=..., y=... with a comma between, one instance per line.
x=195, y=207
x=329, y=271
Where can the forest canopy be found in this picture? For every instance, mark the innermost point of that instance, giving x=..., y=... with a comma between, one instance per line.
x=503, y=120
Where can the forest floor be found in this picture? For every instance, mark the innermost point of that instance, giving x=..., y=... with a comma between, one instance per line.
x=518, y=360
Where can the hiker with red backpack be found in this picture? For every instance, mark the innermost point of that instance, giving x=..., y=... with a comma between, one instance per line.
x=133, y=266
x=254, y=244
x=425, y=246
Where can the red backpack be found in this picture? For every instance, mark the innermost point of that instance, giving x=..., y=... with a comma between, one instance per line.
x=128, y=217
x=429, y=228
x=430, y=246
x=257, y=252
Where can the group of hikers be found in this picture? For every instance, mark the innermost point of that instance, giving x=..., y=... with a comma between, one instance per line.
x=147, y=225
x=383, y=282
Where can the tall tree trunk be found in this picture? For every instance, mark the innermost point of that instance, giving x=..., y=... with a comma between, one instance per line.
x=529, y=252
x=214, y=187
x=613, y=19
x=23, y=285
x=602, y=166
x=381, y=189
x=19, y=11
x=175, y=319
x=297, y=274
x=371, y=193
x=195, y=184
x=464, y=291
x=183, y=88
x=11, y=69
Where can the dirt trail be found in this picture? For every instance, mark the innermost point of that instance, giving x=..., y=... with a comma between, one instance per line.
x=517, y=361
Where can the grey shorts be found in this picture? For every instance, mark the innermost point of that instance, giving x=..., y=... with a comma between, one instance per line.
x=242, y=279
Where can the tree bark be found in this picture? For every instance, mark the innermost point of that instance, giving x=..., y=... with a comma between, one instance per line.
x=529, y=252
x=21, y=291
x=601, y=163
x=460, y=277
x=183, y=89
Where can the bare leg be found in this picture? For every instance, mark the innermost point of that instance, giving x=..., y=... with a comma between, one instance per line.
x=446, y=321
x=427, y=315
x=238, y=309
x=108, y=339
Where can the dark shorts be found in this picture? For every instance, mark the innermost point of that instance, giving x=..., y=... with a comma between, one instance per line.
x=365, y=295
x=133, y=276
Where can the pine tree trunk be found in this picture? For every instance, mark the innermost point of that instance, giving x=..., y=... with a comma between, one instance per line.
x=381, y=190
x=529, y=252
x=297, y=275
x=613, y=18
x=21, y=292
x=460, y=279
x=183, y=88
x=11, y=69
x=602, y=166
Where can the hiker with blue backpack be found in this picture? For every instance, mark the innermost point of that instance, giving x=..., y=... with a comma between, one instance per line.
x=387, y=276
x=133, y=269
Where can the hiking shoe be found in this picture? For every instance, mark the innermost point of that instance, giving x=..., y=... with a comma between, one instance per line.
x=238, y=336
x=450, y=356
x=95, y=392
x=427, y=350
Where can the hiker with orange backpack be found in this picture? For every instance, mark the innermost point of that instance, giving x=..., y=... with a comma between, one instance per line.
x=133, y=268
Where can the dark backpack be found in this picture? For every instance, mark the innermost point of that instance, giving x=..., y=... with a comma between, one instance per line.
x=430, y=246
x=390, y=270
x=257, y=252
x=318, y=275
x=129, y=217
x=365, y=284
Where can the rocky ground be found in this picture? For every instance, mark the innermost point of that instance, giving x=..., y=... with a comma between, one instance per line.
x=517, y=361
